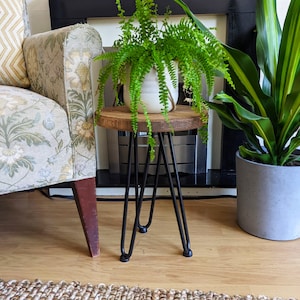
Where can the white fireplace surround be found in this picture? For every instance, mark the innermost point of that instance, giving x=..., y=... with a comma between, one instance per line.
x=108, y=27
x=109, y=30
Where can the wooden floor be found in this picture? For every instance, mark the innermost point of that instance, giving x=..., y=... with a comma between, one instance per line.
x=42, y=238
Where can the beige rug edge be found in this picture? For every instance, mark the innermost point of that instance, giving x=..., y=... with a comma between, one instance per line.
x=38, y=289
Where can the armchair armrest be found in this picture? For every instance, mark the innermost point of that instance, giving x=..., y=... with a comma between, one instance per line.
x=58, y=64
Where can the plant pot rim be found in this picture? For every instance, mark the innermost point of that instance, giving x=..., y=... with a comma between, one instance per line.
x=262, y=164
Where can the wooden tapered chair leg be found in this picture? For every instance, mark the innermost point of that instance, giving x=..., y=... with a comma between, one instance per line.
x=85, y=197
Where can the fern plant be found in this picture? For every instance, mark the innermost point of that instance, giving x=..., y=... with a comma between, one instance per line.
x=144, y=44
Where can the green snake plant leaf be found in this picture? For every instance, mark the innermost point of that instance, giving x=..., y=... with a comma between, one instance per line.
x=230, y=120
x=262, y=126
x=296, y=86
x=290, y=124
x=246, y=80
x=268, y=43
x=263, y=157
x=289, y=55
x=288, y=156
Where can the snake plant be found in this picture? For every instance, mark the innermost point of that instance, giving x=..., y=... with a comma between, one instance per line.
x=267, y=108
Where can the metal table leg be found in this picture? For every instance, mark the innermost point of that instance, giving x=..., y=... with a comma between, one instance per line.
x=125, y=256
x=180, y=213
x=179, y=210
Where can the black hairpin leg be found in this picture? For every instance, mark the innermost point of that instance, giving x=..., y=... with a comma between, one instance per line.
x=144, y=228
x=180, y=213
x=125, y=256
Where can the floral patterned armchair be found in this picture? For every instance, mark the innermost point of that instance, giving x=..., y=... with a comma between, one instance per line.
x=46, y=110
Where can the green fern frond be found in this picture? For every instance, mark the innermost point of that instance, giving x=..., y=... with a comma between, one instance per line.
x=104, y=75
x=161, y=77
x=151, y=139
x=173, y=72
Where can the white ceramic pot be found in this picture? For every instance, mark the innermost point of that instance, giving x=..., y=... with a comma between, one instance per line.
x=150, y=93
x=268, y=199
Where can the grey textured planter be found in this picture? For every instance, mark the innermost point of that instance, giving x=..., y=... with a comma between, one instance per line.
x=268, y=200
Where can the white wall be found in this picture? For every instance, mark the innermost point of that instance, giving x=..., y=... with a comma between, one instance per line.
x=39, y=15
x=109, y=27
x=282, y=7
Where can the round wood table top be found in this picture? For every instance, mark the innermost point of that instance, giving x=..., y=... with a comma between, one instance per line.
x=119, y=118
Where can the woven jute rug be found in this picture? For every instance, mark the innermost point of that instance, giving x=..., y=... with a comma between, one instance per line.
x=36, y=290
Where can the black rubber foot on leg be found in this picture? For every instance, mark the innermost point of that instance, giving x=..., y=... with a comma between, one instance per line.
x=124, y=258
x=143, y=229
x=188, y=253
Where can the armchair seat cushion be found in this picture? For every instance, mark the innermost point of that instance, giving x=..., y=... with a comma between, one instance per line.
x=29, y=124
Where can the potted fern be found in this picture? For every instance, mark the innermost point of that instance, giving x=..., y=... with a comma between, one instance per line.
x=267, y=110
x=166, y=50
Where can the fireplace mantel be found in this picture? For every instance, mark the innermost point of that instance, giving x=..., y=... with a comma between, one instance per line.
x=66, y=12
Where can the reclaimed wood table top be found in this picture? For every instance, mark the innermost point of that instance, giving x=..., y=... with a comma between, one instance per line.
x=119, y=118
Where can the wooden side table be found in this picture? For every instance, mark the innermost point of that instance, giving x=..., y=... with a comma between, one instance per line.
x=183, y=118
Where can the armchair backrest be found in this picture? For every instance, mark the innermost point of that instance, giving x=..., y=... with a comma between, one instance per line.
x=14, y=27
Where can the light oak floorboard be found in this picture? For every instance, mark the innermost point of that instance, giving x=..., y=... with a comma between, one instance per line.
x=42, y=238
